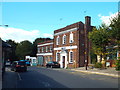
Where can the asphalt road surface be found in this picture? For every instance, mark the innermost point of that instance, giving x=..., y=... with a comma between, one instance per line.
x=37, y=77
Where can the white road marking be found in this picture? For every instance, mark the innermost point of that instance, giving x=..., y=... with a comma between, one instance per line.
x=19, y=76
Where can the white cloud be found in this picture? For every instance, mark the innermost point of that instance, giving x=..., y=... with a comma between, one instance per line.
x=46, y=35
x=107, y=19
x=20, y=34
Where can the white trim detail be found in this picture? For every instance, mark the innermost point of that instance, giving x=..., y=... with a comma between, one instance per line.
x=44, y=44
x=61, y=60
x=67, y=47
x=62, y=32
x=44, y=54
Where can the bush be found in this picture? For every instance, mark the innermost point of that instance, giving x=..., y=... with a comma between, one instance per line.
x=98, y=65
x=117, y=67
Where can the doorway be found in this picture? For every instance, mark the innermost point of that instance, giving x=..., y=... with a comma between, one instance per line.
x=63, y=61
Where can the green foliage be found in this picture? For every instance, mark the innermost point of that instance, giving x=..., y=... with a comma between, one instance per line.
x=117, y=64
x=100, y=39
x=93, y=57
x=98, y=65
x=115, y=28
x=12, y=55
x=23, y=49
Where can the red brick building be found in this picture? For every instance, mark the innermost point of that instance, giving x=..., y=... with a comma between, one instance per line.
x=45, y=52
x=70, y=45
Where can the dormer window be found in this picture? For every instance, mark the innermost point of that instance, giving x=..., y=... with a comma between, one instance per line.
x=71, y=38
x=57, y=40
x=64, y=39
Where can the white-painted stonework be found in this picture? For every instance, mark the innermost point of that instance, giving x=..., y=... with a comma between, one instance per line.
x=63, y=59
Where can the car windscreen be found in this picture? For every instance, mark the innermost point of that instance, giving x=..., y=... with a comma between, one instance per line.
x=21, y=63
x=55, y=62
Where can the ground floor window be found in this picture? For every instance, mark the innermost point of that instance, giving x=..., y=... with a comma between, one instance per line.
x=46, y=59
x=71, y=57
x=40, y=60
x=57, y=57
x=50, y=58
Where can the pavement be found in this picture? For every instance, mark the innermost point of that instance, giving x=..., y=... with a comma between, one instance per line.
x=108, y=71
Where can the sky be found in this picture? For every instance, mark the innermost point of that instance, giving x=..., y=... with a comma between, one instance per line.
x=31, y=20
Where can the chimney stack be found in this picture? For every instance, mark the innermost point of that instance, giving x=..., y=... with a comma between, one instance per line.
x=88, y=20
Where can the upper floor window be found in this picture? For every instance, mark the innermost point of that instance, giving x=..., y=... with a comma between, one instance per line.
x=71, y=57
x=50, y=48
x=64, y=39
x=38, y=49
x=57, y=40
x=46, y=48
x=42, y=49
x=71, y=38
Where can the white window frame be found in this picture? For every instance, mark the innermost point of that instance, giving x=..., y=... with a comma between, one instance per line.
x=50, y=48
x=70, y=57
x=38, y=49
x=42, y=49
x=46, y=49
x=64, y=39
x=57, y=58
x=71, y=39
x=57, y=40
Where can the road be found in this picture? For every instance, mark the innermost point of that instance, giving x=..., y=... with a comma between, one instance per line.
x=37, y=77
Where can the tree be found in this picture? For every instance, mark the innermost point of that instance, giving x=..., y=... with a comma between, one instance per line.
x=12, y=55
x=100, y=40
x=23, y=49
x=115, y=31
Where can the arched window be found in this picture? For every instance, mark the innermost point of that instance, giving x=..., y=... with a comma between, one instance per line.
x=71, y=38
x=64, y=39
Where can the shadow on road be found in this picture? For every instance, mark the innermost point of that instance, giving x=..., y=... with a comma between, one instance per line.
x=29, y=79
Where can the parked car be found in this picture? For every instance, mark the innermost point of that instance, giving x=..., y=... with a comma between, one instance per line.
x=27, y=62
x=53, y=64
x=19, y=66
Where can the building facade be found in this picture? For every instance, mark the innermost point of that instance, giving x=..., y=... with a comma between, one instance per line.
x=45, y=53
x=70, y=45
